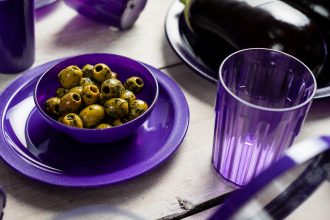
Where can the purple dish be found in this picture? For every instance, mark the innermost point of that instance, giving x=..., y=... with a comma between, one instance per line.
x=34, y=149
x=119, y=13
x=125, y=68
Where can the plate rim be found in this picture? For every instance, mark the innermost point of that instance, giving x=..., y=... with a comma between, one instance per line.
x=21, y=165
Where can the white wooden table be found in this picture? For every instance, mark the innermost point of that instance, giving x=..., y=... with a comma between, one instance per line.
x=187, y=183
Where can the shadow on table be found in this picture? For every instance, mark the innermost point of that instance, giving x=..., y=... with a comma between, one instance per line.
x=81, y=32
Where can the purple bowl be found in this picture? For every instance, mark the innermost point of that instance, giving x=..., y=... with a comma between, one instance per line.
x=124, y=67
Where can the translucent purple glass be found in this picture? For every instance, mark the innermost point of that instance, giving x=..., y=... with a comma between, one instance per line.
x=263, y=98
x=17, y=42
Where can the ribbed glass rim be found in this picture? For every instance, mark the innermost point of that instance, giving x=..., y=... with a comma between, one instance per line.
x=221, y=80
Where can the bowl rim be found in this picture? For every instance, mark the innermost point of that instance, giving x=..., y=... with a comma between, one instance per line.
x=45, y=115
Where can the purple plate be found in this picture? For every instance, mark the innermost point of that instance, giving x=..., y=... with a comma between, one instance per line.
x=33, y=149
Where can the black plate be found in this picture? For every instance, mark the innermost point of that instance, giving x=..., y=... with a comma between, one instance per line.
x=194, y=51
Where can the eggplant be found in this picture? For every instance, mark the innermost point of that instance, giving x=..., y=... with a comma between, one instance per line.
x=257, y=23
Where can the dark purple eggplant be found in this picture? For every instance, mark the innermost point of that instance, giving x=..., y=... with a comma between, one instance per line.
x=254, y=23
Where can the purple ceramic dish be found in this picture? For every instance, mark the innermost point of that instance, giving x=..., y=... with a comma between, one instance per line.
x=33, y=148
x=125, y=68
x=119, y=13
x=288, y=183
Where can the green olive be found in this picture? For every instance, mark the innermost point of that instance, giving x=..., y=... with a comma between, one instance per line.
x=70, y=77
x=86, y=81
x=77, y=89
x=90, y=94
x=53, y=105
x=88, y=71
x=134, y=84
x=72, y=120
x=116, y=107
x=117, y=122
x=92, y=115
x=70, y=103
x=112, y=88
x=128, y=96
x=103, y=126
x=137, y=108
x=101, y=72
x=61, y=92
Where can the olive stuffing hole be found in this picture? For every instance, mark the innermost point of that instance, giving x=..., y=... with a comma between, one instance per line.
x=93, y=89
x=76, y=97
x=139, y=81
x=106, y=89
x=98, y=68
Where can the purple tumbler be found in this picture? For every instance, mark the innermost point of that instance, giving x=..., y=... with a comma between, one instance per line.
x=17, y=42
x=263, y=98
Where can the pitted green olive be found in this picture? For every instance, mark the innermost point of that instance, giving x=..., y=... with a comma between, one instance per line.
x=101, y=72
x=90, y=94
x=61, y=92
x=86, y=81
x=70, y=77
x=116, y=107
x=72, y=120
x=88, y=71
x=70, y=103
x=103, y=126
x=134, y=84
x=53, y=105
x=137, y=108
x=92, y=115
x=112, y=88
x=128, y=96
x=77, y=89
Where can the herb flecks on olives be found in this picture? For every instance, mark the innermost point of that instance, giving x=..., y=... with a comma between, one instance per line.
x=93, y=97
x=116, y=107
x=70, y=103
x=70, y=77
x=77, y=89
x=137, y=108
x=112, y=88
x=53, y=106
x=128, y=96
x=88, y=71
x=90, y=94
x=134, y=84
x=72, y=120
x=101, y=72
x=86, y=81
x=92, y=115
x=61, y=92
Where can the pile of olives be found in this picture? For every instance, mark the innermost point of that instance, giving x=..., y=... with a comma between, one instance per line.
x=93, y=97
